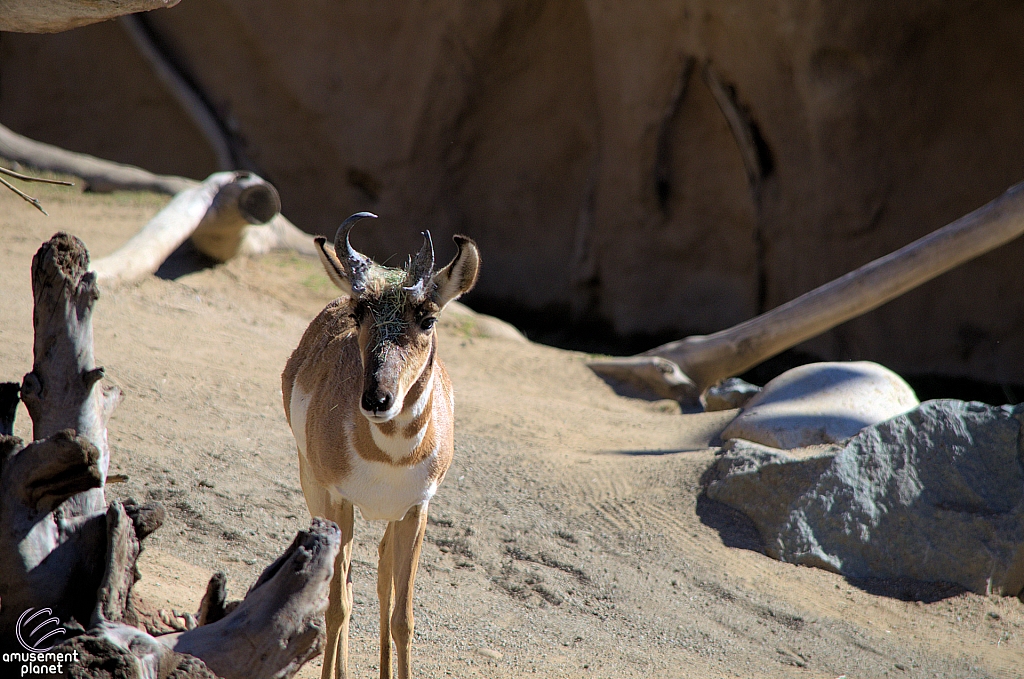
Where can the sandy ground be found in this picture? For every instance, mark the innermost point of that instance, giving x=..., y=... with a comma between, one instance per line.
x=569, y=539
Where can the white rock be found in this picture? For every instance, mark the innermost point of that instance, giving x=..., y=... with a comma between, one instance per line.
x=822, y=403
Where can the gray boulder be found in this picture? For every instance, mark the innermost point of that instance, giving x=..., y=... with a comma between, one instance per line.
x=935, y=494
x=821, y=403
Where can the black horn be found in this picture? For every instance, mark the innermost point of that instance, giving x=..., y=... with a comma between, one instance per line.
x=356, y=264
x=421, y=268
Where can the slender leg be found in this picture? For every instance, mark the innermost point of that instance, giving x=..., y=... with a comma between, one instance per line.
x=385, y=592
x=407, y=541
x=339, y=607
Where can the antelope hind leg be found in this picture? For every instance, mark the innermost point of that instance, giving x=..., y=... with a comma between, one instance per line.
x=339, y=608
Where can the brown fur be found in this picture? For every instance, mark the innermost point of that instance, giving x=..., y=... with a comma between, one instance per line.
x=328, y=356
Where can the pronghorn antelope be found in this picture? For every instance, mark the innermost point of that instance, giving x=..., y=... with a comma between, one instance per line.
x=372, y=412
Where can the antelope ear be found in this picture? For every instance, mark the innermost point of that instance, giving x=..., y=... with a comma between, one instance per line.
x=460, y=275
x=332, y=265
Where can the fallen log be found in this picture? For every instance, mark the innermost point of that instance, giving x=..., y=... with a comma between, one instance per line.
x=213, y=213
x=707, y=359
x=53, y=16
x=101, y=176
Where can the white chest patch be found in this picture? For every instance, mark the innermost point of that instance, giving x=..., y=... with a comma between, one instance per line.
x=381, y=491
x=384, y=491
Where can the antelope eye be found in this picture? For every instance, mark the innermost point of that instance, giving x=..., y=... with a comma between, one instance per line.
x=428, y=322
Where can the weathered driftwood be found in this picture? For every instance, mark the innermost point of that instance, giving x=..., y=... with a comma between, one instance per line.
x=711, y=358
x=51, y=533
x=100, y=175
x=111, y=642
x=213, y=213
x=268, y=635
x=104, y=176
x=51, y=555
x=62, y=549
x=278, y=626
x=53, y=16
x=63, y=390
x=248, y=200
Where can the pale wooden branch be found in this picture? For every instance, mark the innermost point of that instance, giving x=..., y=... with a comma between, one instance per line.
x=104, y=175
x=213, y=213
x=278, y=234
x=239, y=204
x=53, y=16
x=24, y=196
x=99, y=175
x=708, y=359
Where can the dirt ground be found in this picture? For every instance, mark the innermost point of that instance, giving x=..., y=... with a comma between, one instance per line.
x=569, y=539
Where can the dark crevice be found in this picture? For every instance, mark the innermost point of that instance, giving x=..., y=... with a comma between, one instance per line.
x=235, y=145
x=758, y=160
x=663, y=149
x=765, y=158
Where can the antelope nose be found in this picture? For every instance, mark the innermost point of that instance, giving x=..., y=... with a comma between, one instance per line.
x=378, y=402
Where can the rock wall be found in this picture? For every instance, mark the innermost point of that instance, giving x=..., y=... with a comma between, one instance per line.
x=676, y=167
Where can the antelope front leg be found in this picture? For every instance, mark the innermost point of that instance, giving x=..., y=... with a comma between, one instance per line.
x=406, y=543
x=339, y=608
x=385, y=594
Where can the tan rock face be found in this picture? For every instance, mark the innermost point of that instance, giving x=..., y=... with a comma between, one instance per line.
x=586, y=147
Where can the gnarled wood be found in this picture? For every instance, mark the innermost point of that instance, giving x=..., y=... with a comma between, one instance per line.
x=110, y=642
x=63, y=391
x=708, y=359
x=62, y=549
x=277, y=627
x=50, y=556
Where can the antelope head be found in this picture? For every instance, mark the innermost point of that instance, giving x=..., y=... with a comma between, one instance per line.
x=394, y=311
